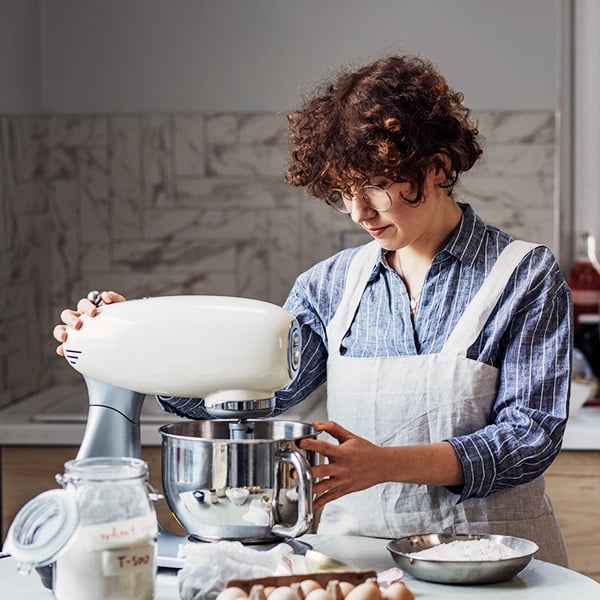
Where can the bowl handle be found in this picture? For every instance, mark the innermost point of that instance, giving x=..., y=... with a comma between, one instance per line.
x=291, y=455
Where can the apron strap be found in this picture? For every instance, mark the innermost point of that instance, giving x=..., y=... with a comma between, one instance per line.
x=477, y=313
x=359, y=271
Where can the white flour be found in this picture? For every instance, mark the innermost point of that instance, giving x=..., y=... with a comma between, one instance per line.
x=109, y=561
x=467, y=550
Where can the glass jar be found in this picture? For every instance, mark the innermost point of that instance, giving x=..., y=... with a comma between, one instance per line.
x=113, y=553
x=99, y=533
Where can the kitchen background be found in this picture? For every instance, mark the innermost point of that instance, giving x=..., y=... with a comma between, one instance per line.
x=143, y=143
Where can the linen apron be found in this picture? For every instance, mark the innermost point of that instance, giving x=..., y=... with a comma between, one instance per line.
x=405, y=400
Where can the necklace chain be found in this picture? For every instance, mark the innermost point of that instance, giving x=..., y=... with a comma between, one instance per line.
x=413, y=300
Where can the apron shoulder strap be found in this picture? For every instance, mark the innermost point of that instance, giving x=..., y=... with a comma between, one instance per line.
x=477, y=313
x=359, y=271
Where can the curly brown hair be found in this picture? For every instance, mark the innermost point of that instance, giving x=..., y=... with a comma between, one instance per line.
x=393, y=118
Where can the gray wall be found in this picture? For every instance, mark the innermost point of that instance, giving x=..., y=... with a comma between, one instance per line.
x=143, y=143
x=236, y=55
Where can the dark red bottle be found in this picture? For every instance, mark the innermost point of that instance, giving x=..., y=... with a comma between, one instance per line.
x=584, y=278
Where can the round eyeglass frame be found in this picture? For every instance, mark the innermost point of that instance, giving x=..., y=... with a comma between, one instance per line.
x=342, y=202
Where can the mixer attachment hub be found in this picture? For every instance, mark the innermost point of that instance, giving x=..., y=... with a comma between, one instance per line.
x=242, y=409
x=241, y=430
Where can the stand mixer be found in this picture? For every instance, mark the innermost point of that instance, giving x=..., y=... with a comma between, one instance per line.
x=234, y=354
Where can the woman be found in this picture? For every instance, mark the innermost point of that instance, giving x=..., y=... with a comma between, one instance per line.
x=445, y=345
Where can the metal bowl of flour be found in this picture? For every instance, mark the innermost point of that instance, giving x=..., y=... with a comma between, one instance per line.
x=460, y=569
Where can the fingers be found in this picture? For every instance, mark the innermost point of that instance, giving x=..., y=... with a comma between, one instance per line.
x=59, y=333
x=334, y=429
x=87, y=307
x=325, y=448
x=328, y=486
x=71, y=319
x=110, y=297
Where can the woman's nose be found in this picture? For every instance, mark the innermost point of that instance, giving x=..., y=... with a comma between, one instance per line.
x=360, y=209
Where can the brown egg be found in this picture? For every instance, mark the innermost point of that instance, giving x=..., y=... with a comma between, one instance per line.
x=257, y=592
x=398, y=591
x=346, y=587
x=232, y=593
x=369, y=590
x=308, y=585
x=319, y=594
x=298, y=589
x=333, y=588
x=268, y=589
x=284, y=592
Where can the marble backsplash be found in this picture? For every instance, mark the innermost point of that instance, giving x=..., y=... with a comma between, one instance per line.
x=194, y=204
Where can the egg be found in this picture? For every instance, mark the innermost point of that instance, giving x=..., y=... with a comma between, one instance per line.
x=284, y=592
x=298, y=589
x=268, y=589
x=333, y=588
x=258, y=592
x=232, y=593
x=319, y=594
x=398, y=591
x=308, y=585
x=369, y=590
x=346, y=587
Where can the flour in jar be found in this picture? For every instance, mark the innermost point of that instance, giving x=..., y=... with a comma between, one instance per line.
x=467, y=550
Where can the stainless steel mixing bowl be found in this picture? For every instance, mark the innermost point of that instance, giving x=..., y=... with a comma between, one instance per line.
x=238, y=480
x=457, y=571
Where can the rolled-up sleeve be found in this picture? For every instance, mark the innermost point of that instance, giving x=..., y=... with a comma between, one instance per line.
x=531, y=408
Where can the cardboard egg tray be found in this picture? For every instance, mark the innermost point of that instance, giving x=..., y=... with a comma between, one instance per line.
x=321, y=577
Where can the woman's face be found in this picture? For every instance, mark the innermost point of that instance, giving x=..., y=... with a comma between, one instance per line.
x=403, y=224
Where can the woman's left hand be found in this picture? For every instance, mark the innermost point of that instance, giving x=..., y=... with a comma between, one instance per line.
x=353, y=464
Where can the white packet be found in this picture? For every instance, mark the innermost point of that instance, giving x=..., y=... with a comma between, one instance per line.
x=208, y=567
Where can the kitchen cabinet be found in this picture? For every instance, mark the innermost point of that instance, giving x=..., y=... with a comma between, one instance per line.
x=26, y=471
x=573, y=484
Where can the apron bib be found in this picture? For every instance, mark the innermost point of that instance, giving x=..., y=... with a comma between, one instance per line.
x=417, y=399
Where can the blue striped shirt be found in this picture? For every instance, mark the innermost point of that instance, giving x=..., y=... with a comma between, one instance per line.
x=528, y=337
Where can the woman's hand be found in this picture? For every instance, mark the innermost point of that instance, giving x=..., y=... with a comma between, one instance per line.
x=356, y=464
x=353, y=464
x=71, y=319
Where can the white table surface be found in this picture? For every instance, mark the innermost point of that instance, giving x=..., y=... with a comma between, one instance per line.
x=538, y=581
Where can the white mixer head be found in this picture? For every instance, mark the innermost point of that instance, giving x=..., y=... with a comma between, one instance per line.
x=220, y=348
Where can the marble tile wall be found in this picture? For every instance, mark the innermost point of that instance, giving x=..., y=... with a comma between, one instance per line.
x=193, y=204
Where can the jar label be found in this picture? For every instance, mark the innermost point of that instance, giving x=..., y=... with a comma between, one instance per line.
x=119, y=534
x=121, y=561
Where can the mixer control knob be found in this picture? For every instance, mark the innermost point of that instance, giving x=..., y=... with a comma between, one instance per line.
x=295, y=344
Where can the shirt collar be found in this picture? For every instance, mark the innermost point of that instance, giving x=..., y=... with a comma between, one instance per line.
x=464, y=244
x=468, y=237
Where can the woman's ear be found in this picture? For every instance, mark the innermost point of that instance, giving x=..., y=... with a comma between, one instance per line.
x=441, y=167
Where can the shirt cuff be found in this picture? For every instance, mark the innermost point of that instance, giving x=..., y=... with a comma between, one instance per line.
x=188, y=408
x=478, y=472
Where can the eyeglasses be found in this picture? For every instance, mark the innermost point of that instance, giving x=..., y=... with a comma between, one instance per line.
x=373, y=196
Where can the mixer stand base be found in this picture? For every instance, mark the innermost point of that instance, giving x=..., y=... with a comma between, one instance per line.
x=168, y=547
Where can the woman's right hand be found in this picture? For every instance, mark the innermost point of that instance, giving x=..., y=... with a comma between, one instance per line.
x=71, y=319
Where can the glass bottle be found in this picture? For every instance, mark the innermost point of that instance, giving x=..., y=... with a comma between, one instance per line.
x=584, y=278
x=587, y=339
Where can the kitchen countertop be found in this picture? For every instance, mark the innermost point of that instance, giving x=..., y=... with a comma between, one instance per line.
x=56, y=417
x=538, y=581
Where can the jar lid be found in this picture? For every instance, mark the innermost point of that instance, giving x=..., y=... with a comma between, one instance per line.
x=42, y=528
